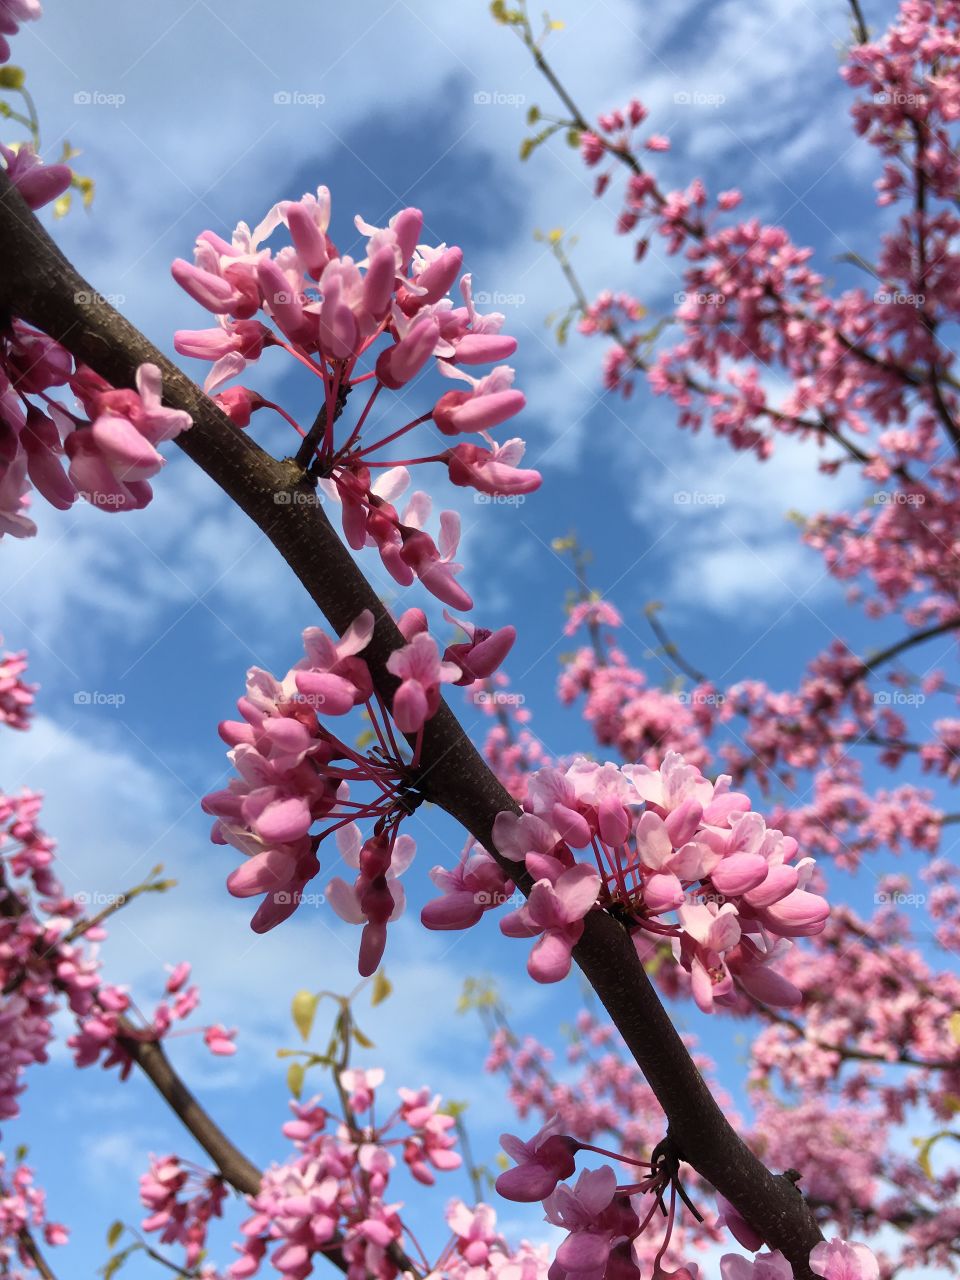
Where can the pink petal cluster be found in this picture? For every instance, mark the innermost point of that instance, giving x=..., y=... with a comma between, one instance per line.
x=421, y=672
x=375, y=898
x=111, y=452
x=391, y=309
x=23, y=1209
x=338, y=1182
x=181, y=1204
x=37, y=182
x=12, y=13
x=16, y=696
x=664, y=841
x=286, y=766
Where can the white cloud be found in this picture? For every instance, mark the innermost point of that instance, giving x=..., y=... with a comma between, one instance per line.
x=724, y=520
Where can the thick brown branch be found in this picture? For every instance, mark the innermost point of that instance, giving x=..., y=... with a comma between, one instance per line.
x=40, y=285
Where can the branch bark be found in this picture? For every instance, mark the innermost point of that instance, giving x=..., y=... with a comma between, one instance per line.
x=38, y=284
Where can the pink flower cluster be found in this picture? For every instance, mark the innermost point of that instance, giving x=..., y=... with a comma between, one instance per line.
x=45, y=960
x=293, y=771
x=111, y=452
x=389, y=308
x=337, y=1185
x=16, y=696
x=23, y=1208
x=663, y=841
x=833, y=1260
x=181, y=1220
x=12, y=13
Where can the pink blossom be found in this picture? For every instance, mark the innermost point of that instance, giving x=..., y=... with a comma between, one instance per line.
x=421, y=672
x=541, y=1163
x=838, y=1260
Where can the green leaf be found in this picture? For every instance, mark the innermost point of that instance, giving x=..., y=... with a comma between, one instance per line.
x=12, y=77
x=295, y=1077
x=114, y=1264
x=925, y=1146
x=363, y=1041
x=953, y=1026
x=114, y=1234
x=533, y=114
x=923, y=1153
x=382, y=987
x=304, y=1009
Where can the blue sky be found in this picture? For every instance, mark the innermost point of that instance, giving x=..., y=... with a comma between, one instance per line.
x=175, y=108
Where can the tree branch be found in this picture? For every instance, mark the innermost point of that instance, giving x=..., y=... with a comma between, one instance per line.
x=40, y=285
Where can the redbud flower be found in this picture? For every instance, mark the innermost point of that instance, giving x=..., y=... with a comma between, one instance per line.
x=555, y=911
x=541, y=1163
x=837, y=1260
x=37, y=182
x=421, y=672
x=483, y=652
x=765, y=1266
